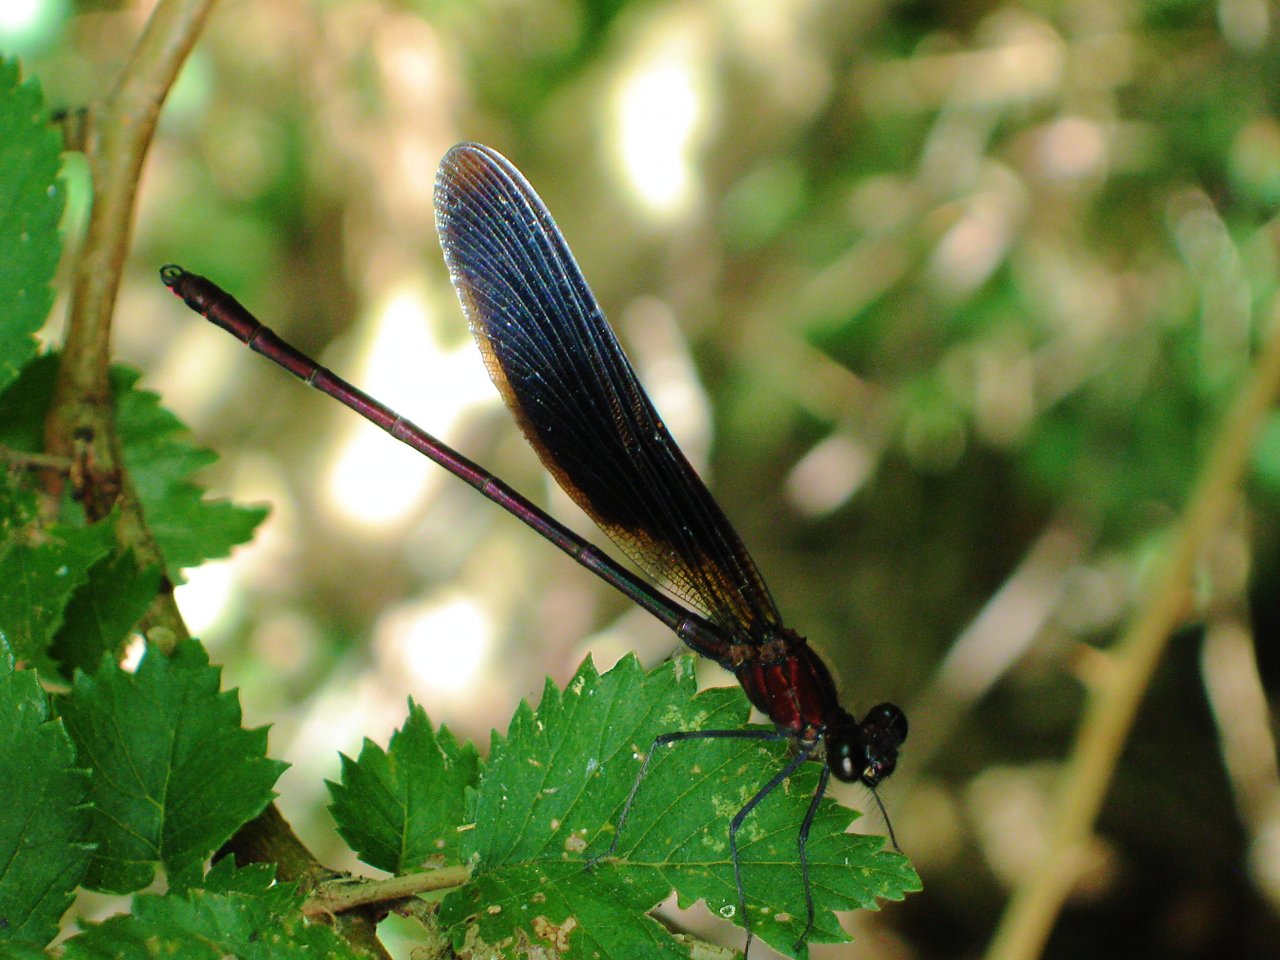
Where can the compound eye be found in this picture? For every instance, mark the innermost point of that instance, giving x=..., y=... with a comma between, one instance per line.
x=879, y=737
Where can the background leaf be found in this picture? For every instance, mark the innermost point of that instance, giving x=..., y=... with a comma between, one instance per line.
x=158, y=452
x=40, y=572
x=31, y=199
x=160, y=456
x=401, y=806
x=174, y=774
x=116, y=595
x=246, y=917
x=44, y=828
x=21, y=951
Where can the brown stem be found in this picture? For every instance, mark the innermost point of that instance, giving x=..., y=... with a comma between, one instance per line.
x=116, y=147
x=341, y=895
x=268, y=838
x=80, y=426
x=1114, y=701
x=21, y=460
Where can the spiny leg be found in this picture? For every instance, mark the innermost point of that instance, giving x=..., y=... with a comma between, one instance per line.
x=737, y=822
x=802, y=842
x=676, y=737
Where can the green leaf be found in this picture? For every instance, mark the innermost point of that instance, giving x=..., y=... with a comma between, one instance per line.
x=70, y=593
x=31, y=199
x=238, y=914
x=45, y=826
x=40, y=571
x=101, y=613
x=126, y=937
x=21, y=951
x=174, y=774
x=161, y=458
x=17, y=506
x=257, y=878
x=566, y=768
x=400, y=806
x=1266, y=455
x=24, y=403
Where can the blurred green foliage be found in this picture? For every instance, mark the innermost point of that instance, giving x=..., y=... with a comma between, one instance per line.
x=1013, y=259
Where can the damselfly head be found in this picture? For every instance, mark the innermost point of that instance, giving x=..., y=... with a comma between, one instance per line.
x=866, y=752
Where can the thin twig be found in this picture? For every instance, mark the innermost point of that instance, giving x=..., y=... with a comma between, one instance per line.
x=340, y=895
x=22, y=460
x=1114, y=701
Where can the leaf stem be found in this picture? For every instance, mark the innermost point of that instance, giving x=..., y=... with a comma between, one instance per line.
x=1114, y=700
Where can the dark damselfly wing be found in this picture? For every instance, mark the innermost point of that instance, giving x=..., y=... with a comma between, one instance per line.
x=558, y=365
